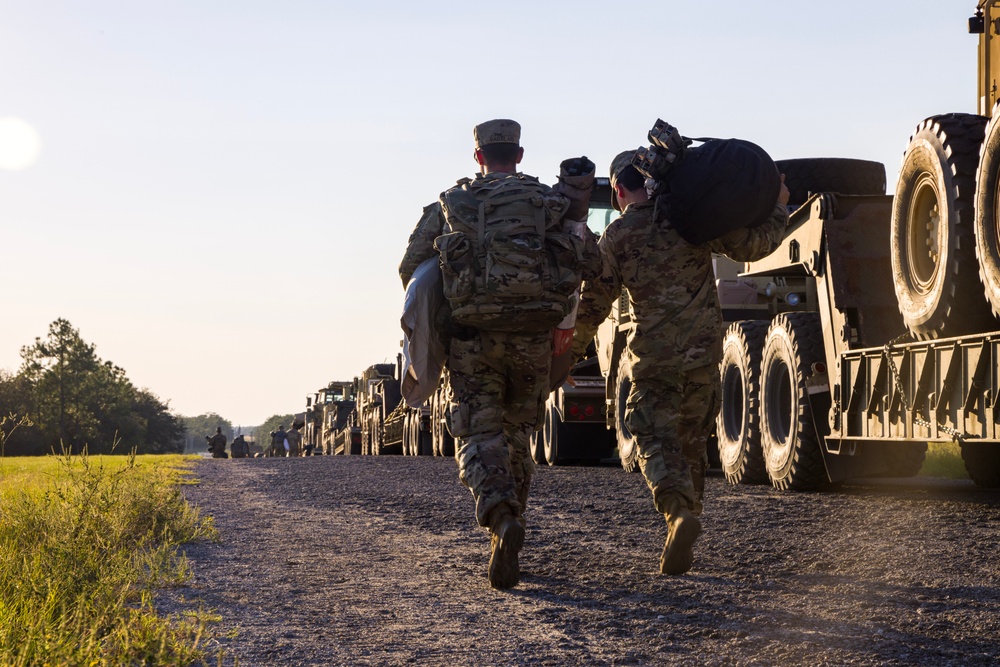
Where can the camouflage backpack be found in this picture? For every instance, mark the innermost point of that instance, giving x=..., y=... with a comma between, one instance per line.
x=506, y=263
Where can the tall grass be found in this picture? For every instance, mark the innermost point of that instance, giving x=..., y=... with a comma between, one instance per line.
x=84, y=542
x=944, y=459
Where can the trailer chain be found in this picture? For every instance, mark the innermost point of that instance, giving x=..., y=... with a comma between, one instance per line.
x=957, y=435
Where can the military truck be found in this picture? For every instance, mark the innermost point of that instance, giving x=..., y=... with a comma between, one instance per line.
x=884, y=334
x=388, y=425
x=327, y=416
x=573, y=430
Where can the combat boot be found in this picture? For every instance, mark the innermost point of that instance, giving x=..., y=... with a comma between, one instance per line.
x=507, y=538
x=683, y=529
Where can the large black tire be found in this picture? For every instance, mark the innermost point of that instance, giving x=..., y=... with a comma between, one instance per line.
x=407, y=435
x=550, y=436
x=738, y=424
x=628, y=452
x=932, y=240
x=366, y=436
x=444, y=443
x=987, y=212
x=791, y=448
x=423, y=439
x=537, y=447
x=376, y=431
x=847, y=176
x=982, y=462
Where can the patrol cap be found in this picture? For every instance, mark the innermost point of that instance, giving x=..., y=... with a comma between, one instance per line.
x=622, y=160
x=497, y=131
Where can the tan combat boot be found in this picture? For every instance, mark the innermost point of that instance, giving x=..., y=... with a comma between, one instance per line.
x=683, y=529
x=507, y=538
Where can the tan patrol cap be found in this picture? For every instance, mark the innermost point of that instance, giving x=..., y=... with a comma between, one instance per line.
x=618, y=165
x=498, y=131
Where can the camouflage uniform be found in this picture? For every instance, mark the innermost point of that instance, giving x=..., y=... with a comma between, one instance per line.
x=499, y=383
x=217, y=445
x=294, y=441
x=675, y=346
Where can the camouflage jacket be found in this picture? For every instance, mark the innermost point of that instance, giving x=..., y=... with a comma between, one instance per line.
x=672, y=297
x=420, y=247
x=433, y=224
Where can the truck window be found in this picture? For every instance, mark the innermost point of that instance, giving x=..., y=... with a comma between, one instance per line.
x=599, y=217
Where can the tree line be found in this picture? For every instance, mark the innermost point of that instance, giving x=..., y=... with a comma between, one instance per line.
x=64, y=396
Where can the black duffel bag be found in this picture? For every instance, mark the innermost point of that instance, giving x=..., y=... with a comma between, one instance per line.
x=711, y=189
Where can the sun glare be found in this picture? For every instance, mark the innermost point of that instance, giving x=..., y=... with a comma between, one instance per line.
x=19, y=144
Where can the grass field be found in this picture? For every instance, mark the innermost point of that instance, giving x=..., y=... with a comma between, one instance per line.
x=84, y=543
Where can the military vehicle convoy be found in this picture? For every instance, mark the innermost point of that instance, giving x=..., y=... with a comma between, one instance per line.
x=885, y=334
x=327, y=420
x=870, y=332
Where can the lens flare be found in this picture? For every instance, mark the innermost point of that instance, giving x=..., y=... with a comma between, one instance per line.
x=20, y=145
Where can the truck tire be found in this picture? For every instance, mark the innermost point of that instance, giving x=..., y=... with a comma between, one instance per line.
x=550, y=436
x=444, y=443
x=987, y=213
x=375, y=428
x=846, y=176
x=628, y=452
x=932, y=245
x=537, y=447
x=408, y=435
x=982, y=462
x=365, y=436
x=792, y=454
x=424, y=445
x=738, y=424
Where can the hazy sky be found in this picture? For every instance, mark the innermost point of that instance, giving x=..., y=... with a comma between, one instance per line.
x=222, y=190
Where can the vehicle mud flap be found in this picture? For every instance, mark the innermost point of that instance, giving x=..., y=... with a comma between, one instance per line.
x=838, y=467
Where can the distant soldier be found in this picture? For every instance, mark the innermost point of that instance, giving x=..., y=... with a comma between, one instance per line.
x=217, y=444
x=294, y=439
x=278, y=442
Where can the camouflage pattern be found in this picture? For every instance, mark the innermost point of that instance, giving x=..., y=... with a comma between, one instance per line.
x=506, y=263
x=217, y=445
x=498, y=131
x=294, y=441
x=499, y=383
x=420, y=247
x=675, y=345
x=498, y=380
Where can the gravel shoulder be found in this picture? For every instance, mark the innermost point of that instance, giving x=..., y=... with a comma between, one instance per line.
x=377, y=561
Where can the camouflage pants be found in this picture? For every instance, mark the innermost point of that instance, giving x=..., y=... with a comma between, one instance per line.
x=671, y=422
x=499, y=382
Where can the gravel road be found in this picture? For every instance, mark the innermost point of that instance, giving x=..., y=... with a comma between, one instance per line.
x=361, y=561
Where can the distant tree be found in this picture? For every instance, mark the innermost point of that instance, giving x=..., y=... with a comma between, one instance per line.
x=76, y=400
x=262, y=434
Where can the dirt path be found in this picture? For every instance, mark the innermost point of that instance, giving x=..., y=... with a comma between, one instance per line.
x=375, y=561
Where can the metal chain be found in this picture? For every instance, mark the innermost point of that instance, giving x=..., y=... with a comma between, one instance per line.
x=959, y=436
x=892, y=367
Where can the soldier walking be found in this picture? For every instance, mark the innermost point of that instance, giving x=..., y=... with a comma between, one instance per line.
x=675, y=347
x=494, y=235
